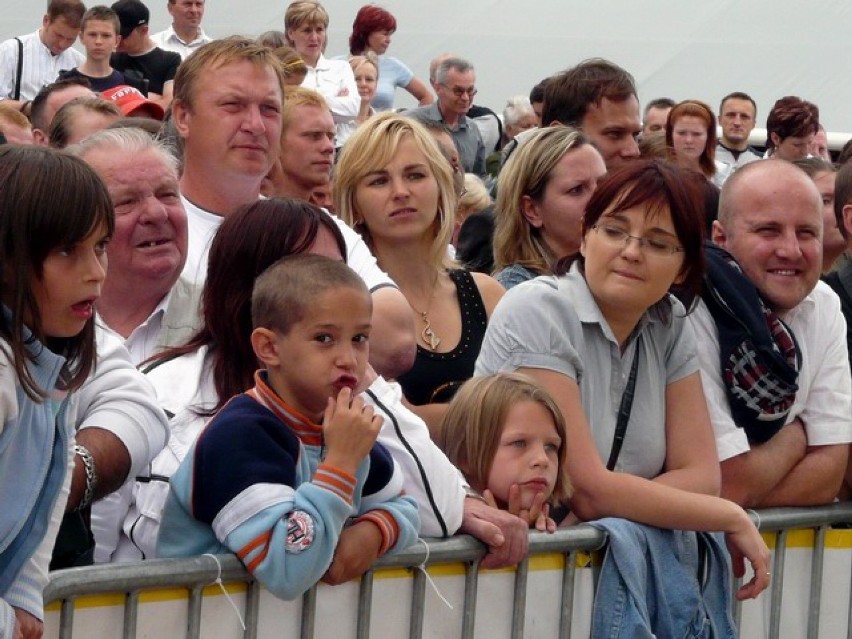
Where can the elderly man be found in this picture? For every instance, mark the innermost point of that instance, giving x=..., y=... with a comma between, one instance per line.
x=185, y=34
x=455, y=85
x=778, y=394
x=42, y=54
x=143, y=300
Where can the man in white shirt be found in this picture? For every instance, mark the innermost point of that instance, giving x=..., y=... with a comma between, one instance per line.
x=185, y=35
x=29, y=62
x=770, y=221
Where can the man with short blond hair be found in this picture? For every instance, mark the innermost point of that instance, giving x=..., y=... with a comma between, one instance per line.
x=307, y=148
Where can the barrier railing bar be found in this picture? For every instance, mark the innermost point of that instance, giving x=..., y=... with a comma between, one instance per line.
x=566, y=608
x=365, y=608
x=777, y=584
x=418, y=602
x=471, y=582
x=193, y=573
x=849, y=616
x=309, y=613
x=131, y=612
x=252, y=610
x=66, y=619
x=193, y=612
x=519, y=607
x=817, y=562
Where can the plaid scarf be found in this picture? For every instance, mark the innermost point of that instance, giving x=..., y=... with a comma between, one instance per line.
x=760, y=359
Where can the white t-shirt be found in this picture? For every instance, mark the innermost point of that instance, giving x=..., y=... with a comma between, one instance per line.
x=202, y=226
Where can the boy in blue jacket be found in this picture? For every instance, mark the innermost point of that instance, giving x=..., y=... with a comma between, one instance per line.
x=288, y=475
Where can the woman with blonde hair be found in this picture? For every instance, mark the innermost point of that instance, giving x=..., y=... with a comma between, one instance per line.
x=542, y=193
x=394, y=186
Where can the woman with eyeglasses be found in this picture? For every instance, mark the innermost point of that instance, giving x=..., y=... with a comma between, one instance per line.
x=611, y=344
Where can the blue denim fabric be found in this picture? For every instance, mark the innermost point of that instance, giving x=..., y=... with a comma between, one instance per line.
x=649, y=585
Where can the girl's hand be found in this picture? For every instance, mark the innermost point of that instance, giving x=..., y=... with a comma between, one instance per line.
x=343, y=92
x=536, y=516
x=746, y=543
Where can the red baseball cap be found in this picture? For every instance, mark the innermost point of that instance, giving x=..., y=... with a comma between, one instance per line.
x=132, y=103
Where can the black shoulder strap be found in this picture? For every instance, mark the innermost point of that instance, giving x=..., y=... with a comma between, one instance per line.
x=624, y=412
x=19, y=72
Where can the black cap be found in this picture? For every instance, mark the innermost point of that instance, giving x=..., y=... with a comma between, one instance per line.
x=131, y=14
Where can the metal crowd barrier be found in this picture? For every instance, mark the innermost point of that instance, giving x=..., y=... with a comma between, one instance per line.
x=196, y=573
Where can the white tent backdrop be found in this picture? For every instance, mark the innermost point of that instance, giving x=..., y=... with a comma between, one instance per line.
x=676, y=48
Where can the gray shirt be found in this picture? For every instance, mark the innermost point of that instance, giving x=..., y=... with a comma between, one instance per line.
x=466, y=136
x=554, y=323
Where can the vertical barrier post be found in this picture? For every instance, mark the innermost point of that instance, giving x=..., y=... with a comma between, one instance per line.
x=566, y=609
x=519, y=607
x=365, y=603
x=817, y=561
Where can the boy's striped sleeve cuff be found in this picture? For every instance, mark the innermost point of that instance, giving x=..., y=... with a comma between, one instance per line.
x=387, y=525
x=335, y=480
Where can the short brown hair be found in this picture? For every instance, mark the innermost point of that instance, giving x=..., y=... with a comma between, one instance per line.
x=568, y=95
x=70, y=10
x=791, y=117
x=286, y=290
x=60, y=128
x=104, y=13
x=217, y=54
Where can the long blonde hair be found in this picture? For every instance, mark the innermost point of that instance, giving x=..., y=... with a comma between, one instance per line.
x=527, y=173
x=372, y=147
x=473, y=424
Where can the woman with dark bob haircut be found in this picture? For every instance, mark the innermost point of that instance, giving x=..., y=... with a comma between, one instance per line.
x=585, y=334
x=372, y=31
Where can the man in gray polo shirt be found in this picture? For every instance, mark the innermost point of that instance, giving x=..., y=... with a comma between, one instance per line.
x=455, y=85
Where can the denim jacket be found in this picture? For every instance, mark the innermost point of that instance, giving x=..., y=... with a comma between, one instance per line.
x=649, y=585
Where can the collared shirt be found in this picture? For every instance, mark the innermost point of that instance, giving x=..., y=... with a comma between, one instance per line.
x=554, y=323
x=143, y=340
x=824, y=399
x=330, y=78
x=40, y=66
x=170, y=41
x=466, y=136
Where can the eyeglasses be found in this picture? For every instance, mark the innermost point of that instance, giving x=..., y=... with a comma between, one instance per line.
x=619, y=237
x=459, y=92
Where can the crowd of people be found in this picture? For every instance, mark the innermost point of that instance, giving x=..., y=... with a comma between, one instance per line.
x=250, y=308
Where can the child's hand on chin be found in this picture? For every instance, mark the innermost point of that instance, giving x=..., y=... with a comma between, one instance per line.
x=350, y=429
x=536, y=516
